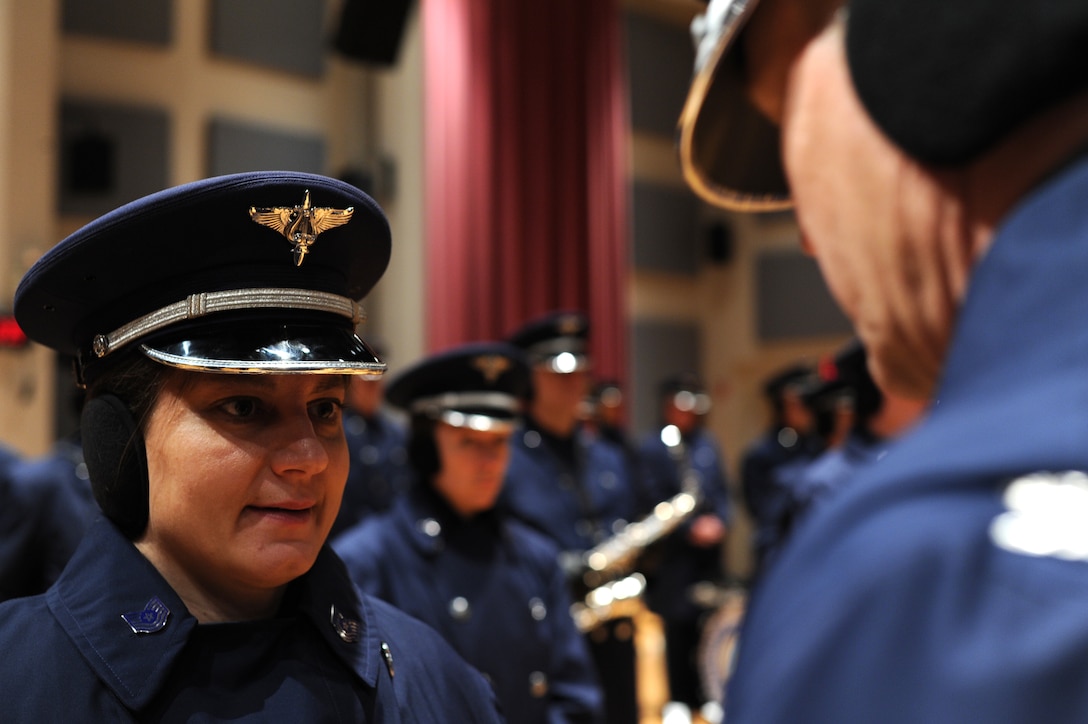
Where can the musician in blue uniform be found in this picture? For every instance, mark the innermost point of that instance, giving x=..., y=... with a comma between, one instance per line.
x=377, y=441
x=790, y=439
x=214, y=328
x=488, y=583
x=937, y=153
x=48, y=509
x=879, y=420
x=683, y=456
x=576, y=488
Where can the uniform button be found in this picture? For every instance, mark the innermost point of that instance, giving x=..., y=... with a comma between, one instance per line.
x=346, y=628
x=430, y=527
x=538, y=684
x=618, y=526
x=537, y=609
x=459, y=609
x=704, y=456
x=584, y=528
x=787, y=437
x=531, y=439
x=369, y=455
x=608, y=480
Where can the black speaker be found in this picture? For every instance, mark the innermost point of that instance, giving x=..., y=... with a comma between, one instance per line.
x=370, y=30
x=91, y=163
x=719, y=243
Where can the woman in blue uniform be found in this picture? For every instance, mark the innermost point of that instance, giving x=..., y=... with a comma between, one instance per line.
x=444, y=554
x=214, y=328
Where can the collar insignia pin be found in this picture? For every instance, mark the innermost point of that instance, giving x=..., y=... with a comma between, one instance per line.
x=346, y=628
x=151, y=619
x=301, y=224
x=387, y=654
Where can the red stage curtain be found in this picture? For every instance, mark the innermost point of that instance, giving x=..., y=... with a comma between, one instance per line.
x=526, y=153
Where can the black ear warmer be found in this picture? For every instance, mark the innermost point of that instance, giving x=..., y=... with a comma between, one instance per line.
x=116, y=458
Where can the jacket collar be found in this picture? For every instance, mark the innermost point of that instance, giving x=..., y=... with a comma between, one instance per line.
x=108, y=582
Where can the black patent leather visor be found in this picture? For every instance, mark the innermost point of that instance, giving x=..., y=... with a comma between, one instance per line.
x=267, y=347
x=729, y=152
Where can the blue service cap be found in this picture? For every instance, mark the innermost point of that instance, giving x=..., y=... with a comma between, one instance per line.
x=557, y=341
x=945, y=81
x=249, y=273
x=482, y=386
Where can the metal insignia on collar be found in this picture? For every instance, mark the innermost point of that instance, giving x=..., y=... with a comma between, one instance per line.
x=346, y=628
x=387, y=654
x=151, y=619
x=1045, y=516
x=301, y=224
x=491, y=366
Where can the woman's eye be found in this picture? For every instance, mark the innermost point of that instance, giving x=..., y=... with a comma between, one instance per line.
x=327, y=409
x=240, y=407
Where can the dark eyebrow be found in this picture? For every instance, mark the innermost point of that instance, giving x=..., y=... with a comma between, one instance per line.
x=265, y=382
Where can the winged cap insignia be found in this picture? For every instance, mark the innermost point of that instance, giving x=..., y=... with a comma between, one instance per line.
x=491, y=366
x=570, y=325
x=301, y=224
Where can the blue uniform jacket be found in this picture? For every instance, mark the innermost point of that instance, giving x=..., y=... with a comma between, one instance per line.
x=765, y=497
x=577, y=511
x=949, y=583
x=815, y=483
x=47, y=509
x=679, y=564
x=493, y=588
x=379, y=470
x=70, y=656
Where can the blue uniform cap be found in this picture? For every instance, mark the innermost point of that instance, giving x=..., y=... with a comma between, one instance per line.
x=482, y=386
x=556, y=341
x=249, y=273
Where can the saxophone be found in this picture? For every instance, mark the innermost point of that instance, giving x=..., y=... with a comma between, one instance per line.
x=606, y=569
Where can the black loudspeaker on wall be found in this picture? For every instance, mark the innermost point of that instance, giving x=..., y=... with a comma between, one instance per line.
x=370, y=30
x=719, y=242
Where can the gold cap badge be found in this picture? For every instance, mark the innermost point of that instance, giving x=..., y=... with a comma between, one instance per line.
x=491, y=366
x=301, y=224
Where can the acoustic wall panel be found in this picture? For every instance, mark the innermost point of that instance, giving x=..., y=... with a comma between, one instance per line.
x=665, y=229
x=286, y=35
x=660, y=58
x=144, y=21
x=658, y=349
x=792, y=299
x=237, y=146
x=109, y=155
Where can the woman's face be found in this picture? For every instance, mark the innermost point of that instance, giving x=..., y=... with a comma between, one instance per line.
x=472, y=466
x=246, y=473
